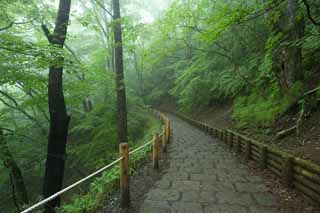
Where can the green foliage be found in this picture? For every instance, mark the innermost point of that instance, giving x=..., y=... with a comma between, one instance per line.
x=261, y=109
x=198, y=78
x=101, y=187
x=196, y=54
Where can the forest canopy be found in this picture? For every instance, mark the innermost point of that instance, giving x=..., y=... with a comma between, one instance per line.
x=183, y=55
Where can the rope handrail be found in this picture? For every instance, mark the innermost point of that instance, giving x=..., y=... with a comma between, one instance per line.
x=70, y=187
x=142, y=146
x=84, y=179
x=123, y=159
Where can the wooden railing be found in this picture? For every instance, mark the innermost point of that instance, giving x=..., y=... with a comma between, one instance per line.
x=124, y=165
x=293, y=171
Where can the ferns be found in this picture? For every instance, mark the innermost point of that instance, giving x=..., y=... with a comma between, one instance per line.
x=262, y=110
x=196, y=86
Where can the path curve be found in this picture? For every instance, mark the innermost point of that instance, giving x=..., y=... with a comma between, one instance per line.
x=204, y=177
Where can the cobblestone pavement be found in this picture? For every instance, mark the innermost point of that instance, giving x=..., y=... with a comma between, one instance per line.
x=204, y=177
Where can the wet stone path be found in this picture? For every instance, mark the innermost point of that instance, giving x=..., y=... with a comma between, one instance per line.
x=204, y=177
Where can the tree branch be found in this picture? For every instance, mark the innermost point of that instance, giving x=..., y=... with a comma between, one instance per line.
x=16, y=107
x=103, y=7
x=309, y=13
x=47, y=32
x=16, y=23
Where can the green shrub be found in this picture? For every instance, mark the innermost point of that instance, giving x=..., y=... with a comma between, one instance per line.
x=101, y=187
x=262, y=108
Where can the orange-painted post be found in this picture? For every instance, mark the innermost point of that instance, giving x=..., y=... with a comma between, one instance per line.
x=155, y=151
x=164, y=142
x=124, y=176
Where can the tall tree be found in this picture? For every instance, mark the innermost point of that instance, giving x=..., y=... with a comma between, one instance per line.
x=59, y=120
x=120, y=85
x=288, y=57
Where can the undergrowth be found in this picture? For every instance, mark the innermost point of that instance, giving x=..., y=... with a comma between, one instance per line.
x=260, y=109
x=100, y=189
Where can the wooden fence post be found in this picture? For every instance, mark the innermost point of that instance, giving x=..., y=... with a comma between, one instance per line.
x=230, y=141
x=238, y=144
x=164, y=138
x=155, y=151
x=124, y=176
x=263, y=157
x=247, y=150
x=225, y=136
x=287, y=172
x=168, y=131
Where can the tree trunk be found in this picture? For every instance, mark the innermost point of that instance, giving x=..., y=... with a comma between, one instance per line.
x=19, y=190
x=59, y=120
x=120, y=85
x=293, y=65
x=288, y=59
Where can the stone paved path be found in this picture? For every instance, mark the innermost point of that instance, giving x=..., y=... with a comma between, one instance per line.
x=204, y=177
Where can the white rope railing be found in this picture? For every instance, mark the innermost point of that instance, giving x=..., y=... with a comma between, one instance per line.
x=165, y=135
x=57, y=194
x=141, y=147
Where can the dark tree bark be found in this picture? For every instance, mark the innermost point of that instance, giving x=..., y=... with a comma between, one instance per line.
x=19, y=190
x=59, y=120
x=293, y=52
x=120, y=85
x=288, y=59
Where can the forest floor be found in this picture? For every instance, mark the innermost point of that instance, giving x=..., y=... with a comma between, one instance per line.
x=198, y=175
x=141, y=181
x=307, y=145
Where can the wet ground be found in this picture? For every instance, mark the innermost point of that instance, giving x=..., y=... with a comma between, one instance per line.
x=199, y=175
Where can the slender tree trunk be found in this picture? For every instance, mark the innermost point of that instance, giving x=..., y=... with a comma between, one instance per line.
x=59, y=120
x=19, y=190
x=120, y=85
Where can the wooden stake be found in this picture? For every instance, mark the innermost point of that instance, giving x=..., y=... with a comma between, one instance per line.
x=230, y=141
x=238, y=145
x=168, y=131
x=287, y=172
x=164, y=143
x=155, y=151
x=247, y=153
x=124, y=176
x=263, y=157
